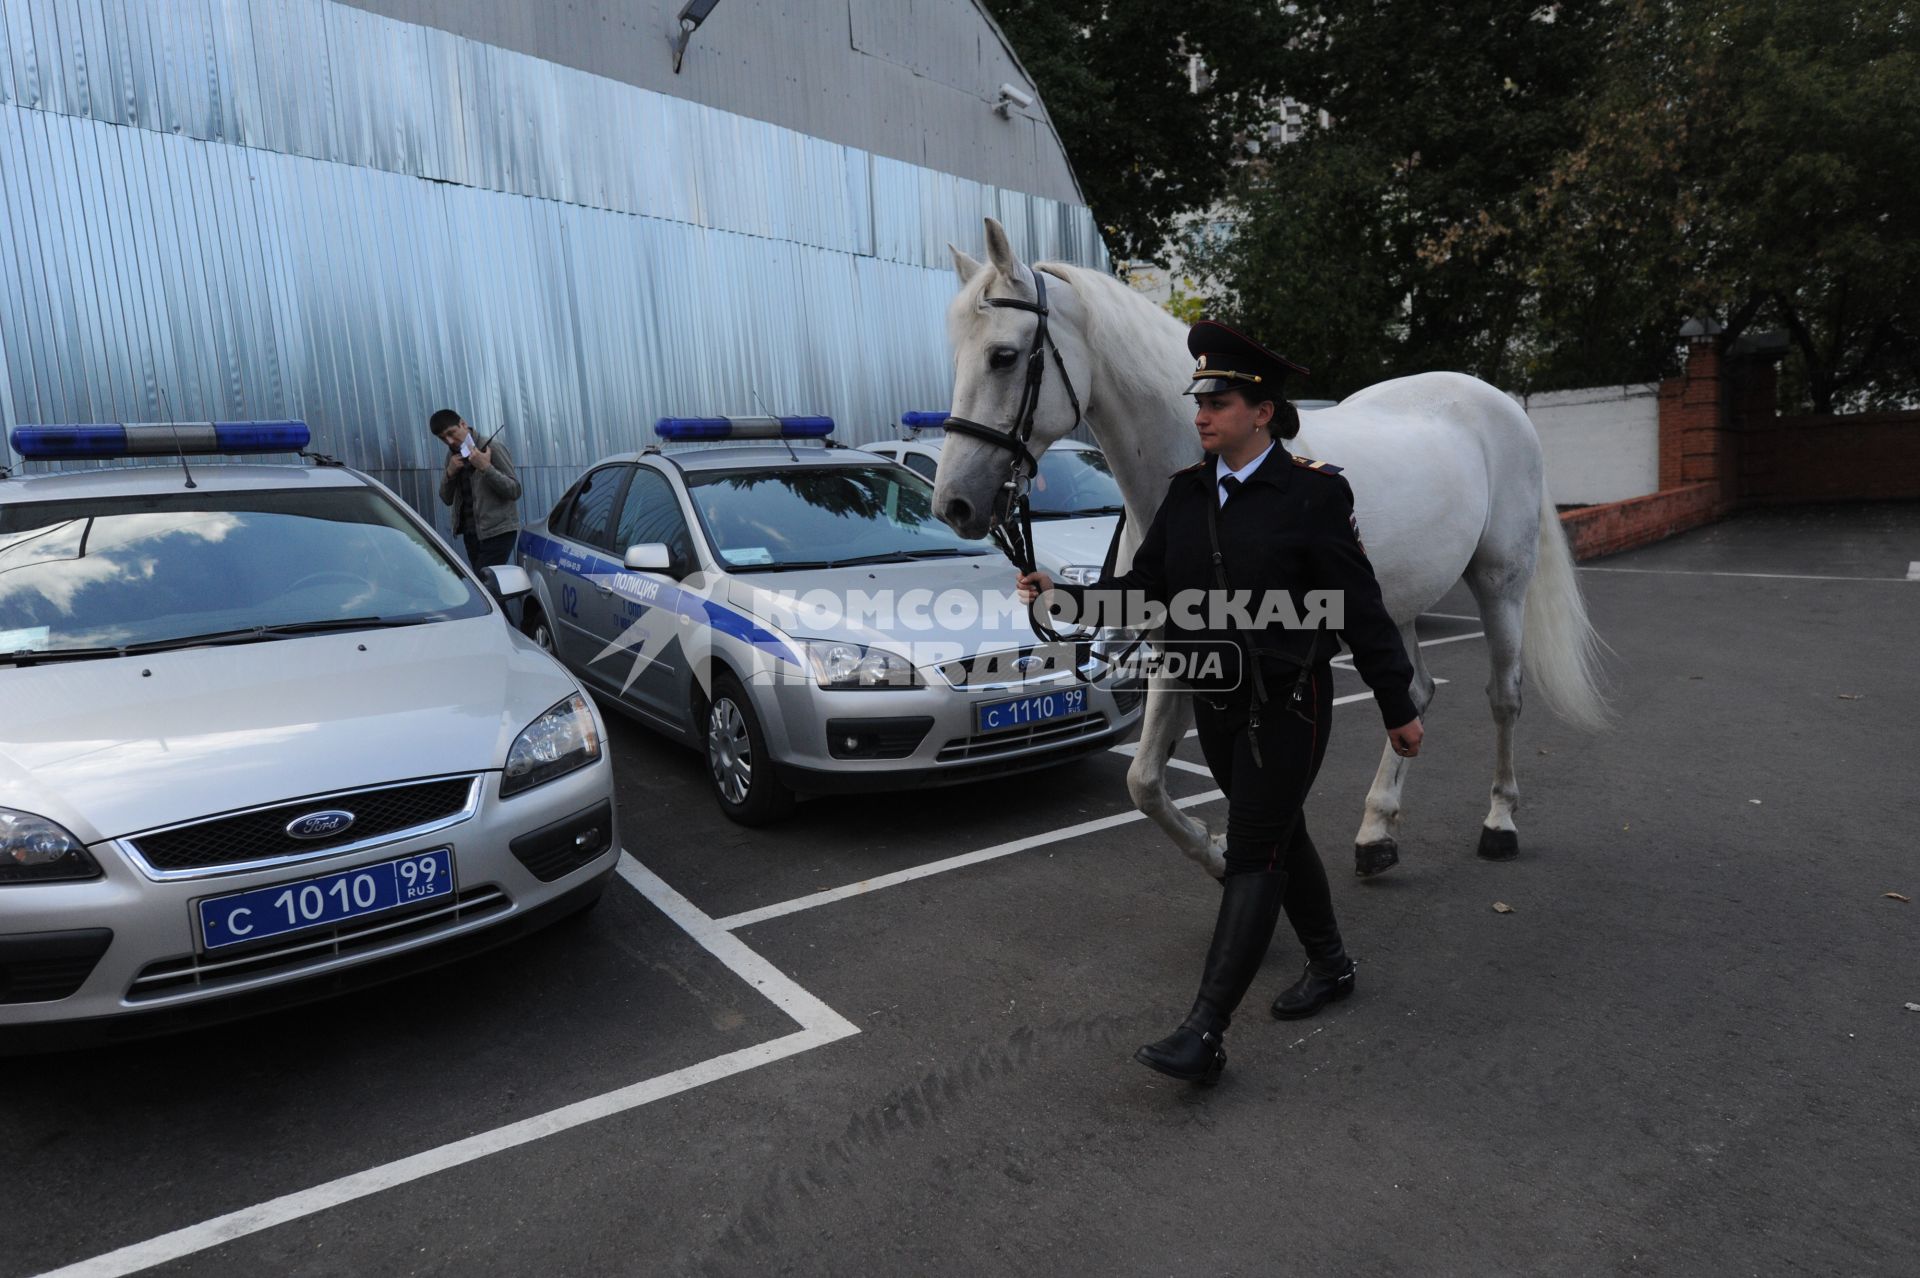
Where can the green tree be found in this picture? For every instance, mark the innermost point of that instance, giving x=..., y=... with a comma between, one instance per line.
x=1147, y=145
x=1756, y=161
x=1392, y=241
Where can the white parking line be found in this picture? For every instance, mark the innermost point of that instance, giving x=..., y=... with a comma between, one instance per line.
x=1769, y=576
x=1449, y=616
x=828, y=896
x=819, y=1025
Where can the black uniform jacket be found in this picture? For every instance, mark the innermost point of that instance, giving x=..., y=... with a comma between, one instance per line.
x=1289, y=528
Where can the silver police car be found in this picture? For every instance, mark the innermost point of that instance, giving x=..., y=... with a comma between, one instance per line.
x=264, y=739
x=798, y=613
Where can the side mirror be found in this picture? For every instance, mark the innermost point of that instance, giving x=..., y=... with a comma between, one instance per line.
x=649, y=556
x=510, y=581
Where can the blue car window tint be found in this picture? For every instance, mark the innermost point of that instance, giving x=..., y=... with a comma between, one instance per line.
x=652, y=513
x=107, y=572
x=592, y=511
x=1075, y=481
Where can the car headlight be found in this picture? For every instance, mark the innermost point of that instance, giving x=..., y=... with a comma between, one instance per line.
x=841, y=665
x=553, y=745
x=36, y=850
x=1079, y=574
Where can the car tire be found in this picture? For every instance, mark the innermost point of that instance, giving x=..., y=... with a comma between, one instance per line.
x=535, y=626
x=739, y=767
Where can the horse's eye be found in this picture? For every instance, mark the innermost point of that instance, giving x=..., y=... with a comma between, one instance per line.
x=1003, y=357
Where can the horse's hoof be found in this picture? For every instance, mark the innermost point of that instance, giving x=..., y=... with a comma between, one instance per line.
x=1499, y=845
x=1370, y=859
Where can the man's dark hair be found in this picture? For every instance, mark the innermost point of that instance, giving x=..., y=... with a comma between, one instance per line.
x=443, y=421
x=1286, y=418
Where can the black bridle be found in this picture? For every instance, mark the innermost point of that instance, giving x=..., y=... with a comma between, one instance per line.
x=1017, y=539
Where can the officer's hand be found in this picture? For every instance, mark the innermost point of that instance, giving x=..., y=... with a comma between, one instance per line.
x=453, y=464
x=482, y=458
x=1033, y=585
x=1406, y=738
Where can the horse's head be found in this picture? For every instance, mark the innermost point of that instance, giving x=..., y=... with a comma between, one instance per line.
x=993, y=349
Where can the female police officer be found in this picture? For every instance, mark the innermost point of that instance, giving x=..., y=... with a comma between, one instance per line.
x=1254, y=519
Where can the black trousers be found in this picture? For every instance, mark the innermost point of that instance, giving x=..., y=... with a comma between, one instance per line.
x=1266, y=829
x=489, y=552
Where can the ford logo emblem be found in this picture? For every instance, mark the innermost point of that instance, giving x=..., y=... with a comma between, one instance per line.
x=319, y=825
x=1028, y=664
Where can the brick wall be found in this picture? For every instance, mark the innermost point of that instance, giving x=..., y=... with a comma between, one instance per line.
x=1622, y=525
x=1853, y=457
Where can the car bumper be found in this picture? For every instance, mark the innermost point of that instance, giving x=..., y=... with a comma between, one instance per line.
x=512, y=873
x=912, y=738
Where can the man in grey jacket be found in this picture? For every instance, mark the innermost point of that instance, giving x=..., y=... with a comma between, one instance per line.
x=481, y=487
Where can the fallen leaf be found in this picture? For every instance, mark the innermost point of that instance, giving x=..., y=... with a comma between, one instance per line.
x=1753, y=800
x=1849, y=696
x=1543, y=752
x=1895, y=896
x=1913, y=1007
x=1501, y=907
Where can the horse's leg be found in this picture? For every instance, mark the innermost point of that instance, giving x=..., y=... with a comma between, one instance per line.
x=1501, y=591
x=1374, y=847
x=1163, y=727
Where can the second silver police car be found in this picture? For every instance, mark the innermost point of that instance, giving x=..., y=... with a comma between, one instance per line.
x=800, y=616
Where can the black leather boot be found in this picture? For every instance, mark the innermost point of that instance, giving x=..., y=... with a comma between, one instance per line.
x=1325, y=981
x=1249, y=907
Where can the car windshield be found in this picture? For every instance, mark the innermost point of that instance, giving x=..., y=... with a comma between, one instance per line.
x=1074, y=481
x=90, y=577
x=822, y=516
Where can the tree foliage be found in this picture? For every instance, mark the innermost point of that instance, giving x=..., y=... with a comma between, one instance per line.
x=1759, y=163
x=1542, y=195
x=1395, y=240
x=1146, y=146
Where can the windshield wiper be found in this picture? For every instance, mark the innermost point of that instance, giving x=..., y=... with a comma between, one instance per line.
x=218, y=638
x=343, y=623
x=885, y=557
x=1084, y=513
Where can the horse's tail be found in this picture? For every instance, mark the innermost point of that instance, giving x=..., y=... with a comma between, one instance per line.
x=1560, y=650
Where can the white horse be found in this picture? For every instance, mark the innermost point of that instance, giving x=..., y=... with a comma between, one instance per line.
x=1447, y=480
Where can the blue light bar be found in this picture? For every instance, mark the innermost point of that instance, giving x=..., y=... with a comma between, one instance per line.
x=104, y=440
x=692, y=429
x=923, y=421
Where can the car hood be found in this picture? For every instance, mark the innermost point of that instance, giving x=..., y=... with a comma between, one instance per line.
x=110, y=747
x=1084, y=540
x=917, y=621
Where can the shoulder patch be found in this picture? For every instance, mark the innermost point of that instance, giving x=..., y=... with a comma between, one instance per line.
x=1199, y=465
x=1325, y=468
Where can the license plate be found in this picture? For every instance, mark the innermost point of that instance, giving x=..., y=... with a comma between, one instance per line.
x=328, y=899
x=998, y=716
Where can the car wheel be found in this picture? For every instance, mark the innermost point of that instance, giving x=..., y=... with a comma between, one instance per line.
x=536, y=627
x=738, y=765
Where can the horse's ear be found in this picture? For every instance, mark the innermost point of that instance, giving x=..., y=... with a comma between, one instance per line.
x=1000, y=253
x=965, y=267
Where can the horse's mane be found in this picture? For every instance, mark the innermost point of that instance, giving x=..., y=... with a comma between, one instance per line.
x=1145, y=346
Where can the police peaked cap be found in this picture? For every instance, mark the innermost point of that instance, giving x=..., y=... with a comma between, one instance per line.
x=1224, y=359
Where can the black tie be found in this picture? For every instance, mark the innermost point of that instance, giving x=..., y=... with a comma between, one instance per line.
x=1232, y=484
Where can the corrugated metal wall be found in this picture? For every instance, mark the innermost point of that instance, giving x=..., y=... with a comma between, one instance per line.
x=294, y=208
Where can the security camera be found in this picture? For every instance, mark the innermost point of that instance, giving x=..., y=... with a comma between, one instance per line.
x=1011, y=96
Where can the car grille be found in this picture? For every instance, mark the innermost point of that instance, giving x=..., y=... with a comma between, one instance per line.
x=997, y=669
x=261, y=835
x=213, y=971
x=1126, y=696
x=1052, y=732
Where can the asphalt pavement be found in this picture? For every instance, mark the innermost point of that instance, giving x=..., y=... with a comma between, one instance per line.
x=819, y=1049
